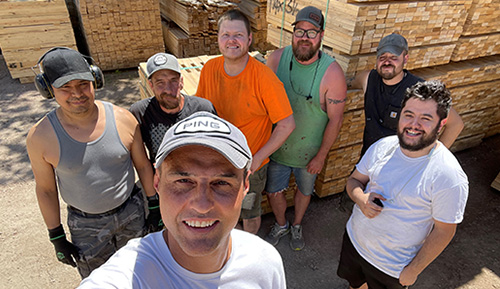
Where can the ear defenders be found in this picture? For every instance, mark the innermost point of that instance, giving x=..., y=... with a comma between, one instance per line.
x=43, y=85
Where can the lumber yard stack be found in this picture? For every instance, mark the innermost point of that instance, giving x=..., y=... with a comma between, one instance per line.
x=256, y=11
x=121, y=33
x=190, y=26
x=455, y=41
x=30, y=28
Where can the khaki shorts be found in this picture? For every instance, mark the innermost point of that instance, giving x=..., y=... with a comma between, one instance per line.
x=251, y=207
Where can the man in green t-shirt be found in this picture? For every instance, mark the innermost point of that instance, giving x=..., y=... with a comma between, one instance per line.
x=315, y=85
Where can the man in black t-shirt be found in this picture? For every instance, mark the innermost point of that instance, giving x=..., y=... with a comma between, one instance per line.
x=384, y=89
x=157, y=114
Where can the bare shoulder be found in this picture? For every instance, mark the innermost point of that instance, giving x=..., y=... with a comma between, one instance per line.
x=274, y=59
x=124, y=117
x=40, y=133
x=334, y=77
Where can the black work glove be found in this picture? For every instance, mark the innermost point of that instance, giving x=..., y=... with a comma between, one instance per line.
x=154, y=222
x=66, y=252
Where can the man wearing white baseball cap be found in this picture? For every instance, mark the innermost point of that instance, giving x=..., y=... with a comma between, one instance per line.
x=158, y=113
x=201, y=178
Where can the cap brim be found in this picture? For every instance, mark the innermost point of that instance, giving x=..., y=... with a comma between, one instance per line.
x=232, y=153
x=67, y=78
x=391, y=49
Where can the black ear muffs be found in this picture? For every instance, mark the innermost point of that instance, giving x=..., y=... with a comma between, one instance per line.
x=43, y=86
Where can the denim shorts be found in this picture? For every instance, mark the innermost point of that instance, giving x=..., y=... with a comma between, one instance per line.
x=278, y=178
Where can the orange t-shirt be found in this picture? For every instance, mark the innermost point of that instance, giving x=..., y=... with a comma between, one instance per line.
x=253, y=100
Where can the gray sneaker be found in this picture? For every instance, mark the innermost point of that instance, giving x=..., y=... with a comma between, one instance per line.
x=297, y=241
x=276, y=233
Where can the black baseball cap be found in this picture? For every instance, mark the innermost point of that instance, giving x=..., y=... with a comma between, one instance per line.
x=65, y=64
x=392, y=43
x=312, y=15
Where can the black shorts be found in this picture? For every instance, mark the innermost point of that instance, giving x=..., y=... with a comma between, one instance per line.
x=357, y=271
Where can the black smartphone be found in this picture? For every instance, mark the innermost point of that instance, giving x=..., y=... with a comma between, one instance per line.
x=378, y=202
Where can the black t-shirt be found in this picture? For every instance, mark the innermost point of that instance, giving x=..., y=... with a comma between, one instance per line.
x=383, y=106
x=154, y=122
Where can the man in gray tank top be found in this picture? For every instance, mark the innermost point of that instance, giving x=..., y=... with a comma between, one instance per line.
x=86, y=150
x=315, y=86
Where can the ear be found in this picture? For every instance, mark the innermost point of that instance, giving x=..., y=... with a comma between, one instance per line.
x=442, y=124
x=250, y=38
x=181, y=83
x=150, y=83
x=246, y=183
x=405, y=59
x=156, y=181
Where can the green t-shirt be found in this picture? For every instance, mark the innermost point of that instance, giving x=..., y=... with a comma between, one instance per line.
x=310, y=120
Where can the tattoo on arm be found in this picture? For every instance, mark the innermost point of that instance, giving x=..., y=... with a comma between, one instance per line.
x=349, y=81
x=336, y=101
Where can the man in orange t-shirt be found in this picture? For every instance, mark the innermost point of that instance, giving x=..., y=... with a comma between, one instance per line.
x=249, y=95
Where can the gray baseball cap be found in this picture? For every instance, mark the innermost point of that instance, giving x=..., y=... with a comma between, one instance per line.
x=392, y=43
x=206, y=129
x=312, y=15
x=161, y=61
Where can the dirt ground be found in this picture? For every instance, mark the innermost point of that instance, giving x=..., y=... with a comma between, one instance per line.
x=27, y=259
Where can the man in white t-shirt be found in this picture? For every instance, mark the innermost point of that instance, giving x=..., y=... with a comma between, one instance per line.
x=410, y=194
x=201, y=179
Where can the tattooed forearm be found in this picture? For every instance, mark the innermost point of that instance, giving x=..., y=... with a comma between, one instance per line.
x=336, y=101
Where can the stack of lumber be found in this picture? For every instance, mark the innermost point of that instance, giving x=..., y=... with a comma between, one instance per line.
x=190, y=26
x=456, y=41
x=122, y=33
x=28, y=29
x=183, y=45
x=255, y=10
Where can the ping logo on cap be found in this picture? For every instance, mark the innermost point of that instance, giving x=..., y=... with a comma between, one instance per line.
x=160, y=60
x=202, y=124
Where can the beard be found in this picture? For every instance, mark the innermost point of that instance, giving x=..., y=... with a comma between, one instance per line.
x=424, y=141
x=168, y=101
x=387, y=74
x=304, y=54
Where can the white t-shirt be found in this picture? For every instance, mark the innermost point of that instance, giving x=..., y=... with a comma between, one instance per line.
x=147, y=263
x=417, y=190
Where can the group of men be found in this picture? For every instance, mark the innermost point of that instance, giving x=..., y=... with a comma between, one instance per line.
x=211, y=156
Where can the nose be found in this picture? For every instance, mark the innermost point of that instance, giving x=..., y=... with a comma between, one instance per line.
x=203, y=200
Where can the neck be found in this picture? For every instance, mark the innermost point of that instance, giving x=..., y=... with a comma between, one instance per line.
x=396, y=79
x=234, y=67
x=210, y=263
x=429, y=150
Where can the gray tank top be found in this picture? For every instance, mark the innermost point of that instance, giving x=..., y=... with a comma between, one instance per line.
x=97, y=176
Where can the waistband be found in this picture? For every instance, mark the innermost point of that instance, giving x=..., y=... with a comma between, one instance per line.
x=134, y=192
